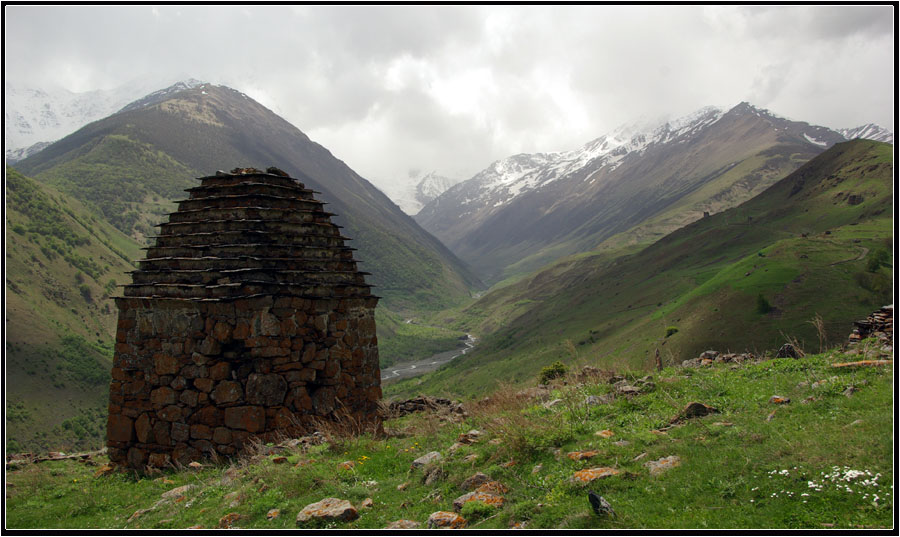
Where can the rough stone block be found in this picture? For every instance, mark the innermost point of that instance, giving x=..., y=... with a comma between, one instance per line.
x=119, y=428
x=247, y=418
x=227, y=391
x=267, y=390
x=143, y=429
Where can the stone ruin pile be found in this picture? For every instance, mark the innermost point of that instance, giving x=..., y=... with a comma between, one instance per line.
x=248, y=319
x=878, y=325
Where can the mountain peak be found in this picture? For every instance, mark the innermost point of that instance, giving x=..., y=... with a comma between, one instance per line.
x=869, y=131
x=163, y=94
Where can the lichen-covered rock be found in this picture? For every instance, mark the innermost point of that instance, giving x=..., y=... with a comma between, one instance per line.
x=327, y=510
x=484, y=497
x=591, y=474
x=427, y=458
x=661, y=465
x=474, y=481
x=402, y=524
x=446, y=519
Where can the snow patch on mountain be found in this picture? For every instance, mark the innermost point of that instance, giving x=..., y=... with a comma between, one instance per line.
x=869, y=131
x=36, y=117
x=508, y=178
x=812, y=140
x=418, y=190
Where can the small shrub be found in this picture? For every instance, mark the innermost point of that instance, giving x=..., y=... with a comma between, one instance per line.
x=555, y=370
x=762, y=305
x=670, y=330
x=476, y=510
x=878, y=259
x=85, y=291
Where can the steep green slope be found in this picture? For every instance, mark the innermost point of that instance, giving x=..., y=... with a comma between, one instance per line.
x=62, y=265
x=744, y=279
x=133, y=164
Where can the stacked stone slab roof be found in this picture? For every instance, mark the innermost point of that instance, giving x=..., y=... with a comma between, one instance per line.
x=248, y=319
x=242, y=235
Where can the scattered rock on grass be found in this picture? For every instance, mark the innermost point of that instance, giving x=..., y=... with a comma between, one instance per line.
x=402, y=524
x=493, y=487
x=445, y=519
x=367, y=503
x=104, y=470
x=470, y=437
x=789, y=351
x=627, y=389
x=176, y=493
x=474, y=481
x=228, y=520
x=426, y=458
x=234, y=498
x=605, y=433
x=586, y=476
x=553, y=403
x=694, y=409
x=434, y=475
x=483, y=497
x=327, y=510
x=661, y=465
x=582, y=455
x=594, y=400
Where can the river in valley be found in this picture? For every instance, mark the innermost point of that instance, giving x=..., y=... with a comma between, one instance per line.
x=420, y=367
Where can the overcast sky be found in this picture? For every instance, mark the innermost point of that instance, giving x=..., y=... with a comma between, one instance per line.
x=389, y=89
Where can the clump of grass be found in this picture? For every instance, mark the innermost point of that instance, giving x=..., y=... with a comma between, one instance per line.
x=555, y=370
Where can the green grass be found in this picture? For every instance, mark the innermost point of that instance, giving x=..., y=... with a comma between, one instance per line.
x=62, y=265
x=401, y=341
x=754, y=473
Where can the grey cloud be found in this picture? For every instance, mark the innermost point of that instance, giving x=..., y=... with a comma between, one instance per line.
x=529, y=78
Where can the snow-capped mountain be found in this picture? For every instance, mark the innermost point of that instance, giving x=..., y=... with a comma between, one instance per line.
x=34, y=118
x=869, y=131
x=418, y=190
x=536, y=207
x=505, y=179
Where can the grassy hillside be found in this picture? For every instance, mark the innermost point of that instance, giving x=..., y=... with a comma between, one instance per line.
x=62, y=264
x=744, y=279
x=751, y=464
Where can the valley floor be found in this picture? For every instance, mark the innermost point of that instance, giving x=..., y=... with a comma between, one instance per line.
x=772, y=443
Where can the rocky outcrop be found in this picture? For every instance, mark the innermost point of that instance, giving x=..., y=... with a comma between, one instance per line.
x=247, y=319
x=878, y=325
x=423, y=403
x=712, y=357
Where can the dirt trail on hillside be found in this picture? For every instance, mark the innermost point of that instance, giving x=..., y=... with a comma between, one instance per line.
x=864, y=252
